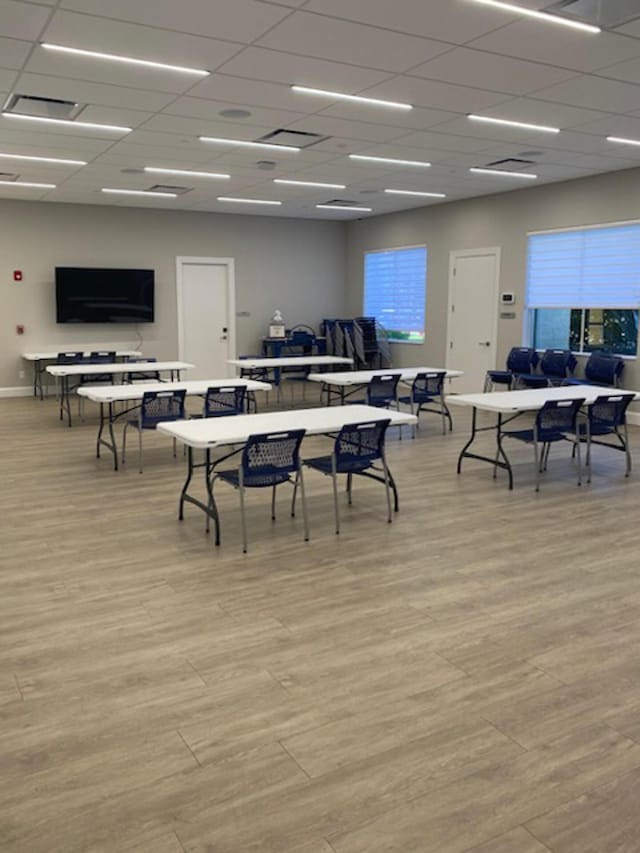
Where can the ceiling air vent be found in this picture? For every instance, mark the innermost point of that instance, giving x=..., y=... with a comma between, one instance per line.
x=299, y=138
x=168, y=188
x=341, y=202
x=601, y=13
x=32, y=105
x=510, y=164
x=8, y=176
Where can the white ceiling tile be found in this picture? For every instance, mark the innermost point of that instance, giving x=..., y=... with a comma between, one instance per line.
x=544, y=112
x=558, y=46
x=236, y=20
x=627, y=126
x=629, y=71
x=59, y=130
x=358, y=44
x=114, y=115
x=13, y=52
x=7, y=79
x=328, y=126
x=484, y=70
x=210, y=110
x=437, y=19
x=418, y=118
x=631, y=29
x=277, y=67
x=441, y=141
x=108, y=36
x=22, y=20
x=44, y=144
x=595, y=93
x=195, y=127
x=243, y=92
x=91, y=93
x=436, y=95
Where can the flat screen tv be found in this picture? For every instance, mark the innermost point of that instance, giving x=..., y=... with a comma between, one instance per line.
x=98, y=295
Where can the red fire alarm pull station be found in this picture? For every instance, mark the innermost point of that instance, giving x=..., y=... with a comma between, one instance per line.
x=20, y=330
x=17, y=275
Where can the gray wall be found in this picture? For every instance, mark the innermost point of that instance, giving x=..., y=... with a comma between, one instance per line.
x=295, y=265
x=500, y=220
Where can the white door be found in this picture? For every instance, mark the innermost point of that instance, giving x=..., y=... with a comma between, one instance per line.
x=206, y=315
x=473, y=315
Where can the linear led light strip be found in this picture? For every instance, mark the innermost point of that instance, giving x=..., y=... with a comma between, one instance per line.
x=394, y=161
x=358, y=99
x=28, y=184
x=55, y=160
x=218, y=140
x=129, y=60
x=622, y=141
x=62, y=122
x=543, y=128
x=309, y=184
x=415, y=192
x=343, y=207
x=186, y=172
x=115, y=191
x=503, y=173
x=541, y=16
x=247, y=200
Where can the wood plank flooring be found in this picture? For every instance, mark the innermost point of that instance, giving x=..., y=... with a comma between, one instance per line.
x=464, y=680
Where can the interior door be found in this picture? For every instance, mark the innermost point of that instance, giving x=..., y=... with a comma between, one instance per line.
x=473, y=304
x=206, y=315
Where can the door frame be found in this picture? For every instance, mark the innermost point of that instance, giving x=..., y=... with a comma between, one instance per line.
x=454, y=254
x=186, y=260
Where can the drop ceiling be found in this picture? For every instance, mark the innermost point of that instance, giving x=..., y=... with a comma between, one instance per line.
x=447, y=58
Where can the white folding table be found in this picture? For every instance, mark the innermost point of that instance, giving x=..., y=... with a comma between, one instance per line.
x=276, y=364
x=108, y=395
x=37, y=358
x=211, y=433
x=507, y=405
x=336, y=384
x=63, y=372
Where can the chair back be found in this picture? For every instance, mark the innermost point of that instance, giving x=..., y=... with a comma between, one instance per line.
x=101, y=357
x=557, y=417
x=158, y=406
x=302, y=336
x=270, y=455
x=229, y=400
x=358, y=344
x=360, y=443
x=142, y=375
x=603, y=368
x=558, y=363
x=382, y=389
x=70, y=358
x=522, y=360
x=426, y=386
x=531, y=380
x=608, y=412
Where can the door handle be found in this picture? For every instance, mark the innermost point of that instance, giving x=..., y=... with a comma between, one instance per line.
x=485, y=343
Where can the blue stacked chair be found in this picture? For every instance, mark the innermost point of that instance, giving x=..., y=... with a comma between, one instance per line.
x=602, y=368
x=521, y=362
x=557, y=365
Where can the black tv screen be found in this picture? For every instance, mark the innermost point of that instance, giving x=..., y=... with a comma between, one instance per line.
x=98, y=295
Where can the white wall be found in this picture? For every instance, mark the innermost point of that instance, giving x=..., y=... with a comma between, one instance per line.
x=499, y=220
x=295, y=265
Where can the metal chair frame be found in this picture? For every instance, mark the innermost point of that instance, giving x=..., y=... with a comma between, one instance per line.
x=156, y=407
x=607, y=415
x=428, y=387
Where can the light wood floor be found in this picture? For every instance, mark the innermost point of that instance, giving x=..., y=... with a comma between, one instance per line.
x=465, y=680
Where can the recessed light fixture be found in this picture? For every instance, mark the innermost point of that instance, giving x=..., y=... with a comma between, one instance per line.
x=234, y=113
x=129, y=60
x=54, y=160
x=541, y=16
x=543, y=128
x=343, y=207
x=393, y=160
x=415, y=192
x=247, y=200
x=622, y=141
x=218, y=140
x=62, y=122
x=138, y=192
x=187, y=172
x=503, y=173
x=28, y=184
x=358, y=99
x=309, y=184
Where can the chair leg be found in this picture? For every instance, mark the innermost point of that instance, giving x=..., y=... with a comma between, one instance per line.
x=336, y=507
x=349, y=487
x=578, y=453
x=538, y=462
x=273, y=504
x=627, y=453
x=243, y=520
x=140, y=451
x=387, y=489
x=303, y=498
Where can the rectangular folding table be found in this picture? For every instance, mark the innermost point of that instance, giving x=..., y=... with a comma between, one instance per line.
x=276, y=364
x=507, y=405
x=64, y=372
x=211, y=433
x=108, y=395
x=337, y=384
x=38, y=358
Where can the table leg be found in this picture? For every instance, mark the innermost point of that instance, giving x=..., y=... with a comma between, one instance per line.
x=65, y=403
x=210, y=509
x=500, y=460
x=111, y=444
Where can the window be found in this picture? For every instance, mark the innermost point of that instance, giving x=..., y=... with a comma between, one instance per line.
x=395, y=289
x=583, y=289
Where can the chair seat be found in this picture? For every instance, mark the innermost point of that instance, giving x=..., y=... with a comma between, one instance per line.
x=323, y=463
x=420, y=398
x=257, y=481
x=596, y=430
x=500, y=376
x=528, y=435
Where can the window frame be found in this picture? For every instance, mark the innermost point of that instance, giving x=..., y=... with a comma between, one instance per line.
x=367, y=252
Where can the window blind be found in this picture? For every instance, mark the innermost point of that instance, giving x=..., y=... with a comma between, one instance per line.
x=395, y=291
x=586, y=268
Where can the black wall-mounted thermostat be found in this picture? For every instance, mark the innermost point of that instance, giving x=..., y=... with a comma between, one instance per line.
x=507, y=298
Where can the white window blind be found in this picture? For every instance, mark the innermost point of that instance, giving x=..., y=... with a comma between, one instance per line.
x=395, y=283
x=586, y=268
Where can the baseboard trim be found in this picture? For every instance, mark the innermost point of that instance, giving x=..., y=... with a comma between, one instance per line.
x=633, y=418
x=18, y=391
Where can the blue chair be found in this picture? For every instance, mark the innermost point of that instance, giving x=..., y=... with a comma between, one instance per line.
x=156, y=407
x=223, y=401
x=557, y=365
x=602, y=368
x=356, y=450
x=268, y=461
x=70, y=357
x=556, y=421
x=98, y=357
x=521, y=361
x=427, y=389
x=141, y=375
x=607, y=415
x=381, y=391
x=533, y=380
